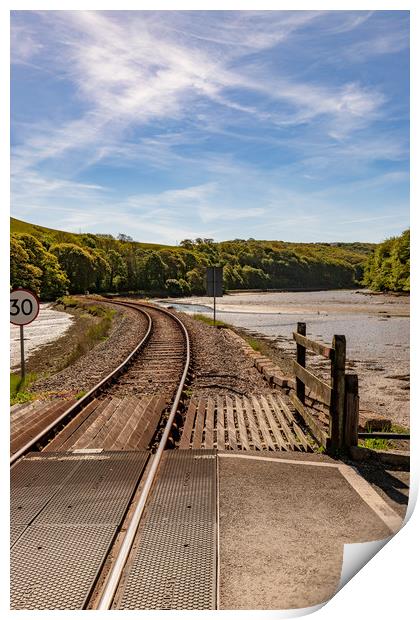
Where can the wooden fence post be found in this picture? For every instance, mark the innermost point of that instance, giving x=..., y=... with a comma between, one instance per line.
x=301, y=359
x=351, y=425
x=338, y=395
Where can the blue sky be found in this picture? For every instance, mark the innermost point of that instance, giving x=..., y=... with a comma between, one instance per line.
x=226, y=124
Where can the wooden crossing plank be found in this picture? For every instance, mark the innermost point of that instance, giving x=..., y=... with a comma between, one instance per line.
x=297, y=430
x=147, y=419
x=94, y=428
x=243, y=435
x=28, y=433
x=220, y=424
x=209, y=435
x=152, y=417
x=284, y=424
x=65, y=434
x=112, y=422
x=14, y=409
x=21, y=410
x=142, y=434
x=286, y=410
x=299, y=433
x=68, y=443
x=188, y=425
x=255, y=435
x=262, y=424
x=199, y=423
x=39, y=417
x=231, y=424
x=133, y=422
x=120, y=419
x=273, y=424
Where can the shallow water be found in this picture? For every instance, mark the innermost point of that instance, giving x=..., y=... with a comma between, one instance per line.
x=372, y=324
x=376, y=328
x=49, y=325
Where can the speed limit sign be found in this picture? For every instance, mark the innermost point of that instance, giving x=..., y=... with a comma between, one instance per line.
x=24, y=306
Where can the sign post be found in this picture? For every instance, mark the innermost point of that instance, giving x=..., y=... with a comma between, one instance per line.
x=22, y=354
x=24, y=308
x=214, y=286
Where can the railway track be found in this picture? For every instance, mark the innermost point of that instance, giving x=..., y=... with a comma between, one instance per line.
x=143, y=386
x=103, y=517
x=80, y=486
x=159, y=363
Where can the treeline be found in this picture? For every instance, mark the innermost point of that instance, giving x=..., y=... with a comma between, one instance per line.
x=53, y=262
x=388, y=269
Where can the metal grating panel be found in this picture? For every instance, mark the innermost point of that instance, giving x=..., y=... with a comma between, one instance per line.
x=55, y=566
x=98, y=491
x=174, y=564
x=56, y=559
x=33, y=482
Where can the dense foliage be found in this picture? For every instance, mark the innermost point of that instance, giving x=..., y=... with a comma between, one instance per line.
x=52, y=262
x=388, y=269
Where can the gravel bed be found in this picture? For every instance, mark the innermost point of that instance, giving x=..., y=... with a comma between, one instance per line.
x=219, y=365
x=128, y=326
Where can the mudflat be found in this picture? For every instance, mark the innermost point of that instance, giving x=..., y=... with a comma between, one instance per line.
x=376, y=327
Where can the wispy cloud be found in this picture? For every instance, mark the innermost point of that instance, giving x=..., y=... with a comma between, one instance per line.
x=213, y=114
x=129, y=73
x=382, y=43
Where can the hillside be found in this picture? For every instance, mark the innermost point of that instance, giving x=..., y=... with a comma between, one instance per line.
x=388, y=268
x=60, y=236
x=52, y=261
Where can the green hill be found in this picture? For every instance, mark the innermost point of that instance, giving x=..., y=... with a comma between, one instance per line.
x=41, y=232
x=53, y=261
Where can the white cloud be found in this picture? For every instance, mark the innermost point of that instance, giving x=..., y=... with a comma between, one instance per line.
x=182, y=78
x=377, y=45
x=24, y=45
x=136, y=68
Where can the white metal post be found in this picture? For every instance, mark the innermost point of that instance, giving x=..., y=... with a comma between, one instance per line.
x=22, y=354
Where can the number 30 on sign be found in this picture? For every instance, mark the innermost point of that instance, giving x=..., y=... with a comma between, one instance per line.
x=24, y=306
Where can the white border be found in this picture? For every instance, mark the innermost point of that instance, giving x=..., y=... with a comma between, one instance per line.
x=387, y=586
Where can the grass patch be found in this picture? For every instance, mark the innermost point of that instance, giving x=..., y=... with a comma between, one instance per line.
x=375, y=443
x=18, y=388
x=254, y=344
x=378, y=443
x=208, y=320
x=97, y=332
x=396, y=428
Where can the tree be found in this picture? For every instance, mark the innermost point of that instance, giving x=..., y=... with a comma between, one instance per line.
x=102, y=269
x=175, y=265
x=155, y=271
x=232, y=277
x=195, y=278
x=118, y=270
x=42, y=267
x=388, y=269
x=177, y=287
x=123, y=237
x=22, y=273
x=254, y=278
x=78, y=263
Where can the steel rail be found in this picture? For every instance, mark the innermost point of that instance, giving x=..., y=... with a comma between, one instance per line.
x=114, y=576
x=84, y=400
